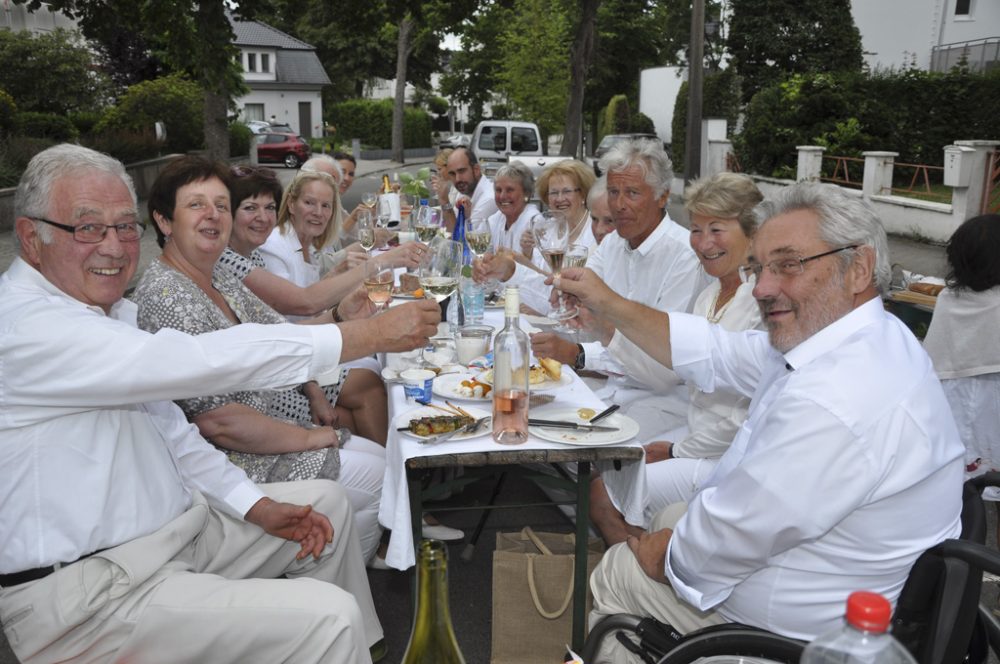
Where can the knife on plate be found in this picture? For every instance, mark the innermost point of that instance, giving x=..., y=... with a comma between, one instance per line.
x=559, y=424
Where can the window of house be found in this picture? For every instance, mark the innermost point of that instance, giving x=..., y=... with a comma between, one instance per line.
x=963, y=7
x=265, y=62
x=253, y=112
x=251, y=62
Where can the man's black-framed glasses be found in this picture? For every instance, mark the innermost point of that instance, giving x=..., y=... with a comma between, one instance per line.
x=785, y=267
x=128, y=231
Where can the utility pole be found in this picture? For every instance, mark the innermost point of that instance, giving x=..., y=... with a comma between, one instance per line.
x=696, y=68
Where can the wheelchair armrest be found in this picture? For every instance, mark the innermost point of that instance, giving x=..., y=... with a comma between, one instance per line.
x=736, y=640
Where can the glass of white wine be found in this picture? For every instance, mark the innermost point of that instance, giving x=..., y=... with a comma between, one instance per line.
x=379, y=280
x=551, y=232
x=369, y=199
x=366, y=231
x=428, y=225
x=441, y=268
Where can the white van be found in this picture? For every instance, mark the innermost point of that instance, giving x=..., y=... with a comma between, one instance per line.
x=496, y=142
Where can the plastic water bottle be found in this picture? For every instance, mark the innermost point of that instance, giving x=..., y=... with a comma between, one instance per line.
x=864, y=639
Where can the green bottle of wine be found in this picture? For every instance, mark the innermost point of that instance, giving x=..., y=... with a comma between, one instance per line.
x=432, y=640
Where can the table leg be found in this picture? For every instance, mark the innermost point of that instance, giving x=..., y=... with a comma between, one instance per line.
x=581, y=581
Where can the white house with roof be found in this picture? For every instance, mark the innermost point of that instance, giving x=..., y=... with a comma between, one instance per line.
x=285, y=78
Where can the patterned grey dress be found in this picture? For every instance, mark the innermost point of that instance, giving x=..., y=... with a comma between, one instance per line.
x=167, y=298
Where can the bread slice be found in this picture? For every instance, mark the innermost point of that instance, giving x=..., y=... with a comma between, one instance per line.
x=552, y=368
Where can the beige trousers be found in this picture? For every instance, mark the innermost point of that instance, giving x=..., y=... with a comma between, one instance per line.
x=203, y=588
x=620, y=586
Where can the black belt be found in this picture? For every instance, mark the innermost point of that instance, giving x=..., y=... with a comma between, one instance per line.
x=17, y=578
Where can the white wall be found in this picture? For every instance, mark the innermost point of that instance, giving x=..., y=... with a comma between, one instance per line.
x=982, y=21
x=894, y=31
x=284, y=105
x=658, y=88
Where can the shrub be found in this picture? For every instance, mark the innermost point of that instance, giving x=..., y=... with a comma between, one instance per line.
x=46, y=125
x=240, y=139
x=15, y=153
x=720, y=99
x=371, y=121
x=173, y=100
x=640, y=123
x=85, y=121
x=8, y=114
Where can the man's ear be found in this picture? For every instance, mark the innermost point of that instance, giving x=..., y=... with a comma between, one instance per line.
x=30, y=240
x=862, y=269
x=662, y=200
x=477, y=171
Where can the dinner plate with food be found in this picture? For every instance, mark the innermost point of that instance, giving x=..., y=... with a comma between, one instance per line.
x=546, y=374
x=615, y=428
x=462, y=386
x=431, y=420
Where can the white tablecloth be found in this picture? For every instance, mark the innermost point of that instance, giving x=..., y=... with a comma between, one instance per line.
x=394, y=511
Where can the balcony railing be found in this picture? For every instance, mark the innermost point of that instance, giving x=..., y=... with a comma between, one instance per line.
x=978, y=55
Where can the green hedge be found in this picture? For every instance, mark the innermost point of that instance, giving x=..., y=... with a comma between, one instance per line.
x=240, y=138
x=46, y=125
x=173, y=100
x=125, y=145
x=914, y=113
x=8, y=114
x=371, y=121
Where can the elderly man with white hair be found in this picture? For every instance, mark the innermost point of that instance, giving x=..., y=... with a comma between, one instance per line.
x=127, y=536
x=848, y=436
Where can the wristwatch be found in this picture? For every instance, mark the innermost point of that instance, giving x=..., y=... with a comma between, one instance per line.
x=447, y=207
x=581, y=358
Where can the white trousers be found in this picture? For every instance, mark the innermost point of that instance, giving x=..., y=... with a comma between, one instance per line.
x=362, y=469
x=203, y=588
x=620, y=586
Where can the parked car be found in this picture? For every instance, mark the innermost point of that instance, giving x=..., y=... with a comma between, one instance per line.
x=281, y=127
x=285, y=147
x=609, y=140
x=258, y=126
x=455, y=140
x=496, y=142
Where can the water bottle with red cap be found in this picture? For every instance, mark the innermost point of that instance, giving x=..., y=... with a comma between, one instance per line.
x=864, y=639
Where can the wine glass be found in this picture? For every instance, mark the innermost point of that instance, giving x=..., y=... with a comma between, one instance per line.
x=477, y=234
x=366, y=231
x=576, y=256
x=368, y=199
x=428, y=225
x=379, y=279
x=551, y=232
x=441, y=268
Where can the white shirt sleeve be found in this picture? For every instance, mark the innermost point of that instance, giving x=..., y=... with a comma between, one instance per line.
x=640, y=366
x=202, y=466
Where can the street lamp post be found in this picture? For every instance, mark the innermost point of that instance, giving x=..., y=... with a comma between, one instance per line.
x=696, y=67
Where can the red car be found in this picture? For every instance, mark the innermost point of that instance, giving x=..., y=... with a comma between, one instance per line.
x=289, y=149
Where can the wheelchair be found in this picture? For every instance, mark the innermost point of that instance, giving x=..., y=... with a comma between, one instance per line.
x=938, y=615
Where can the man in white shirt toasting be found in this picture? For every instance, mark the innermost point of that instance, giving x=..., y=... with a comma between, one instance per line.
x=126, y=536
x=848, y=437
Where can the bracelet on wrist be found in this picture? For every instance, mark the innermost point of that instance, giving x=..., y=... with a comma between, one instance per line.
x=335, y=312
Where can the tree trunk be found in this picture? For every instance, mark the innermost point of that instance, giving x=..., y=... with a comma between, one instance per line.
x=580, y=56
x=216, y=124
x=403, y=47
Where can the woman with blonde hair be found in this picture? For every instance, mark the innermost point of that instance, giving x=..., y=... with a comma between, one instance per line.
x=563, y=188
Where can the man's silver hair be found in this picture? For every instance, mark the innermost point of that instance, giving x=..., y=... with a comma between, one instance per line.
x=34, y=192
x=598, y=189
x=316, y=162
x=519, y=173
x=646, y=153
x=844, y=220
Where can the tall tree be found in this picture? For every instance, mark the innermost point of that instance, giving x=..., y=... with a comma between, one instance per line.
x=193, y=37
x=772, y=39
x=580, y=55
x=534, y=50
x=473, y=72
x=677, y=32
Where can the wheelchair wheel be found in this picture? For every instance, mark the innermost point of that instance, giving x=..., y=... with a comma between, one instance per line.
x=732, y=642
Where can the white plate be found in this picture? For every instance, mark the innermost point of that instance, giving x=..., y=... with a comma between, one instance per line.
x=548, y=384
x=446, y=387
x=495, y=305
x=627, y=428
x=403, y=419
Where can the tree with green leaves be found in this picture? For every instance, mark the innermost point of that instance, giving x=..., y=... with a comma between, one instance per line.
x=191, y=37
x=50, y=73
x=534, y=50
x=770, y=40
x=472, y=75
x=580, y=56
x=677, y=32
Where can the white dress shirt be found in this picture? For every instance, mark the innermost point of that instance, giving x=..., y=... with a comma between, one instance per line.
x=93, y=452
x=848, y=467
x=484, y=202
x=282, y=254
x=662, y=273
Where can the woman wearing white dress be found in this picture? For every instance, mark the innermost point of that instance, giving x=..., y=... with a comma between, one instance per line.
x=722, y=225
x=964, y=344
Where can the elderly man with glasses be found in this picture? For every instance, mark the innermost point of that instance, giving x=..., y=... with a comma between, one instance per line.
x=849, y=464
x=126, y=536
